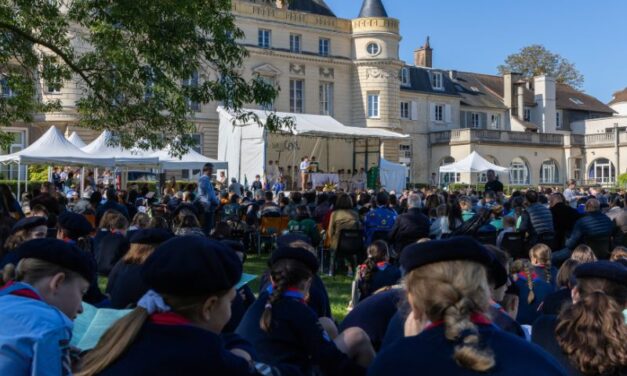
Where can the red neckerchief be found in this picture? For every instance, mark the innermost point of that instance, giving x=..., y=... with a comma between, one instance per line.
x=497, y=306
x=382, y=265
x=25, y=293
x=68, y=240
x=476, y=318
x=168, y=318
x=523, y=276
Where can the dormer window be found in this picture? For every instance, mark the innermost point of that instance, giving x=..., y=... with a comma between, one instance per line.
x=436, y=81
x=405, y=76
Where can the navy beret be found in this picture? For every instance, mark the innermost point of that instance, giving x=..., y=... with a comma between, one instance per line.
x=28, y=223
x=59, y=253
x=612, y=271
x=76, y=223
x=151, y=236
x=190, y=266
x=461, y=248
x=296, y=253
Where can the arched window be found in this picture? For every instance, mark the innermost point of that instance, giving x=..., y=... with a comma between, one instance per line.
x=549, y=172
x=602, y=171
x=518, y=172
x=447, y=178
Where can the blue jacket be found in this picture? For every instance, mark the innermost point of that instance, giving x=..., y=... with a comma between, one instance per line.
x=34, y=336
x=206, y=192
x=430, y=353
x=593, y=224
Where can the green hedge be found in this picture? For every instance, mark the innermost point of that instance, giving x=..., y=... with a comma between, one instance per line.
x=481, y=187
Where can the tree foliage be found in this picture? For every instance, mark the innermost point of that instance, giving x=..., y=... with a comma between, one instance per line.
x=536, y=60
x=140, y=66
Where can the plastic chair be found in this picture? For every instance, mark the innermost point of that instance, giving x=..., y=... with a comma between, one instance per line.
x=270, y=228
x=514, y=244
x=486, y=237
x=351, y=244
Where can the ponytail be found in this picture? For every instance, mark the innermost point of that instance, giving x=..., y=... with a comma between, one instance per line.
x=547, y=272
x=366, y=275
x=278, y=288
x=592, y=334
x=527, y=269
x=114, y=342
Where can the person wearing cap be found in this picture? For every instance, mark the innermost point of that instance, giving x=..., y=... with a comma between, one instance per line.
x=26, y=229
x=38, y=305
x=175, y=329
x=588, y=337
x=448, y=331
x=74, y=229
x=125, y=285
x=283, y=329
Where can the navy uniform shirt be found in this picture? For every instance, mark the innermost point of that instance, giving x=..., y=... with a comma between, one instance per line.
x=111, y=248
x=528, y=312
x=543, y=335
x=318, y=297
x=125, y=286
x=296, y=338
x=430, y=353
x=384, y=275
x=373, y=315
x=244, y=298
x=179, y=349
x=553, y=303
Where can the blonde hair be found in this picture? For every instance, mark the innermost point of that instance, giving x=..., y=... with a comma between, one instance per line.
x=119, y=337
x=618, y=253
x=542, y=253
x=138, y=253
x=452, y=291
x=583, y=254
x=31, y=270
x=141, y=220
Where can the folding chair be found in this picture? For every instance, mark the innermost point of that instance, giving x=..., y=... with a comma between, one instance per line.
x=514, y=244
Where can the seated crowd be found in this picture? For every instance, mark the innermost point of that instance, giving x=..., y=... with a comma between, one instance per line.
x=444, y=283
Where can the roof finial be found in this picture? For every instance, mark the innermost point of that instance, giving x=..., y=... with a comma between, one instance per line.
x=427, y=44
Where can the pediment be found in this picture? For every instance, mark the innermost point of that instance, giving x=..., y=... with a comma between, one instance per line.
x=266, y=70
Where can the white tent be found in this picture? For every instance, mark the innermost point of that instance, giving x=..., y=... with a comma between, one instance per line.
x=54, y=148
x=190, y=161
x=76, y=140
x=123, y=157
x=393, y=176
x=247, y=146
x=472, y=163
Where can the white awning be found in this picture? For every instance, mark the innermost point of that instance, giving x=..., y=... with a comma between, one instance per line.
x=54, y=148
x=76, y=140
x=319, y=125
x=472, y=163
x=123, y=157
x=192, y=160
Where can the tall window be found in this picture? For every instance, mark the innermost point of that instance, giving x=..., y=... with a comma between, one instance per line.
x=518, y=172
x=373, y=105
x=438, y=112
x=326, y=98
x=405, y=114
x=475, y=120
x=495, y=121
x=297, y=96
x=269, y=81
x=527, y=114
x=405, y=76
x=295, y=43
x=5, y=90
x=549, y=172
x=324, y=47
x=558, y=120
x=602, y=171
x=436, y=80
x=192, y=82
x=447, y=178
x=264, y=38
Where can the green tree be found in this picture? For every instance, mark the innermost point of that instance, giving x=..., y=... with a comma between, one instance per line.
x=536, y=60
x=141, y=66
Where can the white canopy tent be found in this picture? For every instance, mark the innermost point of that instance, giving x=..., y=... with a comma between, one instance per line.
x=122, y=156
x=247, y=146
x=393, y=176
x=76, y=140
x=190, y=161
x=472, y=163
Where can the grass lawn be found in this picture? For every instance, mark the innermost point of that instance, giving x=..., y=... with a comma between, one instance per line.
x=338, y=287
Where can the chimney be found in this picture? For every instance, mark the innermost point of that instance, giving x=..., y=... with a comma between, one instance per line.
x=281, y=4
x=546, y=102
x=423, y=57
x=520, y=98
x=509, y=90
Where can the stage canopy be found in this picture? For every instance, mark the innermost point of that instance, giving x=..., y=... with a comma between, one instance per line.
x=123, y=157
x=76, y=140
x=192, y=160
x=54, y=148
x=472, y=163
x=247, y=146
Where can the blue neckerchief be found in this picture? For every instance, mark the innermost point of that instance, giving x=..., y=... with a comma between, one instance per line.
x=625, y=315
x=288, y=294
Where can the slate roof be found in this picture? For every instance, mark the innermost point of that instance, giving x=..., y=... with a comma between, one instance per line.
x=311, y=6
x=474, y=93
x=372, y=8
x=420, y=80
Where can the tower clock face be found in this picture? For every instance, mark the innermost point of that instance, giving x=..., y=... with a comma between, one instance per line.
x=373, y=49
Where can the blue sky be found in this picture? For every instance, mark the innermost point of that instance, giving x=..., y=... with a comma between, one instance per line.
x=477, y=35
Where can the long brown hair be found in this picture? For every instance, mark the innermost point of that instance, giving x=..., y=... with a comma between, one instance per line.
x=138, y=253
x=452, y=291
x=285, y=273
x=119, y=337
x=377, y=252
x=592, y=331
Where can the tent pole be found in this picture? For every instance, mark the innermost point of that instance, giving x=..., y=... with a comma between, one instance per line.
x=82, y=188
x=26, y=180
x=19, y=188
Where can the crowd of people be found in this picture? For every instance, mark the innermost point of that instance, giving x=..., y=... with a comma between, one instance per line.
x=445, y=283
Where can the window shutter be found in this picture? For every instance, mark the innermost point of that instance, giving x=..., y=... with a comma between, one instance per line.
x=432, y=111
x=447, y=113
x=414, y=110
x=483, y=120
x=462, y=119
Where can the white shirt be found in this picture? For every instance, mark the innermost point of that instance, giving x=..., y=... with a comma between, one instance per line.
x=304, y=165
x=571, y=197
